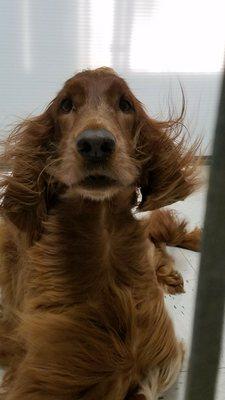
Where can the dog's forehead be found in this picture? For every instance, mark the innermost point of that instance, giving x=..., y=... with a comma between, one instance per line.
x=96, y=82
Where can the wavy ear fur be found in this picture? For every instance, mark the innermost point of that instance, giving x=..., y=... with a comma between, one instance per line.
x=169, y=170
x=25, y=187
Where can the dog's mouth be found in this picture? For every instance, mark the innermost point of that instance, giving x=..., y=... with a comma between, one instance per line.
x=98, y=182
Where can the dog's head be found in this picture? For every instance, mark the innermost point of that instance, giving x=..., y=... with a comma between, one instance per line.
x=96, y=115
x=94, y=140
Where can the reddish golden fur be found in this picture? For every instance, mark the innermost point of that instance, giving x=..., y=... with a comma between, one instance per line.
x=83, y=310
x=165, y=227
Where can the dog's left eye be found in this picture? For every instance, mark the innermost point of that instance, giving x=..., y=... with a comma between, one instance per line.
x=125, y=105
x=66, y=105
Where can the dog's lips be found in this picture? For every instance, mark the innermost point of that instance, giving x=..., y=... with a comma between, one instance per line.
x=98, y=182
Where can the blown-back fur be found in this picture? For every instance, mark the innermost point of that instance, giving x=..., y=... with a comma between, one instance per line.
x=83, y=312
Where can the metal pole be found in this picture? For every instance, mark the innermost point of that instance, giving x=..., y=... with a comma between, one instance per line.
x=209, y=312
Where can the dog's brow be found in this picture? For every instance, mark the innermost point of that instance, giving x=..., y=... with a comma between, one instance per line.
x=117, y=85
x=77, y=86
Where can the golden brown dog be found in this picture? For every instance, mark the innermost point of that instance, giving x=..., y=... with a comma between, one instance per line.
x=82, y=279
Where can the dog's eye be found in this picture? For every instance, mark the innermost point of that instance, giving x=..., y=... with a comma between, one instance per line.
x=125, y=105
x=66, y=105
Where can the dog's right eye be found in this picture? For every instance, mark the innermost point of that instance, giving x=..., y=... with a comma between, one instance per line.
x=66, y=105
x=125, y=105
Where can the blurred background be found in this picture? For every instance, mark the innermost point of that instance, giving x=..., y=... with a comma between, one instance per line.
x=156, y=45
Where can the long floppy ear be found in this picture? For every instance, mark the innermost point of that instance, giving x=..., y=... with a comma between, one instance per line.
x=25, y=188
x=169, y=170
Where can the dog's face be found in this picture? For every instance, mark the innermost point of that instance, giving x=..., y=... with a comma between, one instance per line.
x=97, y=118
x=94, y=140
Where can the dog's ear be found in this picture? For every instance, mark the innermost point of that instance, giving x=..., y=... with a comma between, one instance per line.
x=169, y=171
x=25, y=187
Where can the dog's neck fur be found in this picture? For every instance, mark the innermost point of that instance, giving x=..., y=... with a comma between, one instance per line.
x=100, y=241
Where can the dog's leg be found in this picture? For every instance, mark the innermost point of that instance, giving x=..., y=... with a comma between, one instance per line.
x=162, y=356
x=161, y=378
x=171, y=280
x=164, y=226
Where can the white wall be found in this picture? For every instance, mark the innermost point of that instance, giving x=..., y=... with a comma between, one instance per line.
x=156, y=45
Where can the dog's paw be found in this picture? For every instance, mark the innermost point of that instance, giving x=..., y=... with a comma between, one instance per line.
x=173, y=283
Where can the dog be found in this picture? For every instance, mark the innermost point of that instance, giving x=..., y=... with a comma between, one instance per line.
x=82, y=279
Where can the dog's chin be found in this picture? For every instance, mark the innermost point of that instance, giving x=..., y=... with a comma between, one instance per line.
x=96, y=187
x=97, y=194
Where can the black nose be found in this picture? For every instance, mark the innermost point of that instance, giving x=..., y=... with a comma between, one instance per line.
x=95, y=145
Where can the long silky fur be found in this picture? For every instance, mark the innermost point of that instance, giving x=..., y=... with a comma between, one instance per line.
x=171, y=170
x=83, y=313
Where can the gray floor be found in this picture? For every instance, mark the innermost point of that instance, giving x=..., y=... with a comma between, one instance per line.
x=181, y=307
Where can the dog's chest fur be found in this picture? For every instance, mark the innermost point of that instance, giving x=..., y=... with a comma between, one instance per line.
x=91, y=285
x=97, y=247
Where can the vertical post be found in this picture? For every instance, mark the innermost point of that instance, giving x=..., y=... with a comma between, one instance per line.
x=209, y=311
